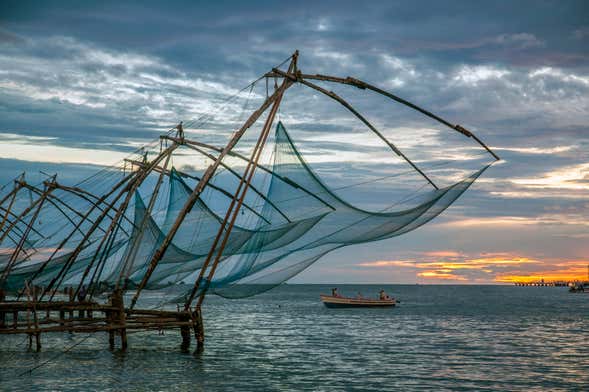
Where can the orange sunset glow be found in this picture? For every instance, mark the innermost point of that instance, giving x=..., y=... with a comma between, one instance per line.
x=492, y=268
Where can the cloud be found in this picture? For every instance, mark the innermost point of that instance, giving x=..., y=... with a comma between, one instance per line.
x=520, y=40
x=572, y=177
x=503, y=267
x=97, y=81
x=573, y=270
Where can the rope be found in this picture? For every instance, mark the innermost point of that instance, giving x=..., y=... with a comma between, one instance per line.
x=31, y=370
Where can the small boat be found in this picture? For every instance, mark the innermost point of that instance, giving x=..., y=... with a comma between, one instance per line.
x=344, y=302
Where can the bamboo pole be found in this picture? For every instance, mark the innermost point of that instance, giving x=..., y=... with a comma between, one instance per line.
x=137, y=239
x=224, y=192
x=345, y=104
x=261, y=167
x=232, y=212
x=13, y=193
x=128, y=189
x=14, y=257
x=70, y=235
x=20, y=216
x=236, y=174
x=159, y=253
x=120, y=212
x=364, y=85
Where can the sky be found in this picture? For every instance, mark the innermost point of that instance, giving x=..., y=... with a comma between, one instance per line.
x=85, y=83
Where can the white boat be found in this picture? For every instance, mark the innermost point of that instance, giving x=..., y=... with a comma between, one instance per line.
x=344, y=302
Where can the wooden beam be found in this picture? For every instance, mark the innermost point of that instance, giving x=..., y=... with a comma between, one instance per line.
x=121, y=209
x=224, y=192
x=137, y=240
x=235, y=173
x=344, y=103
x=232, y=213
x=137, y=178
x=259, y=166
x=159, y=253
x=363, y=85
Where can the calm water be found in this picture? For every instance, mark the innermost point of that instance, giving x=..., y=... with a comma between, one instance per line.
x=439, y=337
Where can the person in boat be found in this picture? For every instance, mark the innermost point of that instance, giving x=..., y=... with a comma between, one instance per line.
x=383, y=296
x=334, y=292
x=359, y=295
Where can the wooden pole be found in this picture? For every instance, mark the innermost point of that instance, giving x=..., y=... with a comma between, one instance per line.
x=344, y=103
x=14, y=257
x=213, y=186
x=69, y=236
x=113, y=227
x=363, y=85
x=2, y=313
x=232, y=212
x=129, y=188
x=199, y=331
x=261, y=167
x=117, y=302
x=159, y=253
x=13, y=193
x=20, y=216
x=137, y=239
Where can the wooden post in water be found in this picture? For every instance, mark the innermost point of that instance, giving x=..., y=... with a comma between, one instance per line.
x=36, y=320
x=2, y=314
x=199, y=331
x=119, y=316
x=111, y=332
x=185, y=334
x=71, y=296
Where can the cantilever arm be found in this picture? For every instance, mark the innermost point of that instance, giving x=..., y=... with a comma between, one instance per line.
x=363, y=85
x=344, y=103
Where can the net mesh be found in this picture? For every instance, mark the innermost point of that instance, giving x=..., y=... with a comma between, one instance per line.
x=291, y=220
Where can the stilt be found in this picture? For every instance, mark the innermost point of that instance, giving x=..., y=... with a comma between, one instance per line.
x=111, y=332
x=2, y=313
x=38, y=341
x=111, y=339
x=185, y=333
x=199, y=331
x=119, y=317
x=71, y=296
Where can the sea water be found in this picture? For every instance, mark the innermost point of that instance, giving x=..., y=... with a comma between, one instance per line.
x=440, y=337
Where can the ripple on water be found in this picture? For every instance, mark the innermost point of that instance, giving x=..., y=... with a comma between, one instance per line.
x=440, y=337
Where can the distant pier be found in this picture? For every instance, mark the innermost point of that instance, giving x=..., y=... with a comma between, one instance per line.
x=553, y=283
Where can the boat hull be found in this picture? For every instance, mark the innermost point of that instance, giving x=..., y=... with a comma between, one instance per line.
x=343, y=302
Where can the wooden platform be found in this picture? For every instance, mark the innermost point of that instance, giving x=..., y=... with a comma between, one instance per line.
x=38, y=317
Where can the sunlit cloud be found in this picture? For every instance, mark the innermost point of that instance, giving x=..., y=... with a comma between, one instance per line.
x=441, y=275
x=59, y=154
x=502, y=267
x=575, y=270
x=515, y=221
x=570, y=177
x=474, y=74
x=537, y=150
